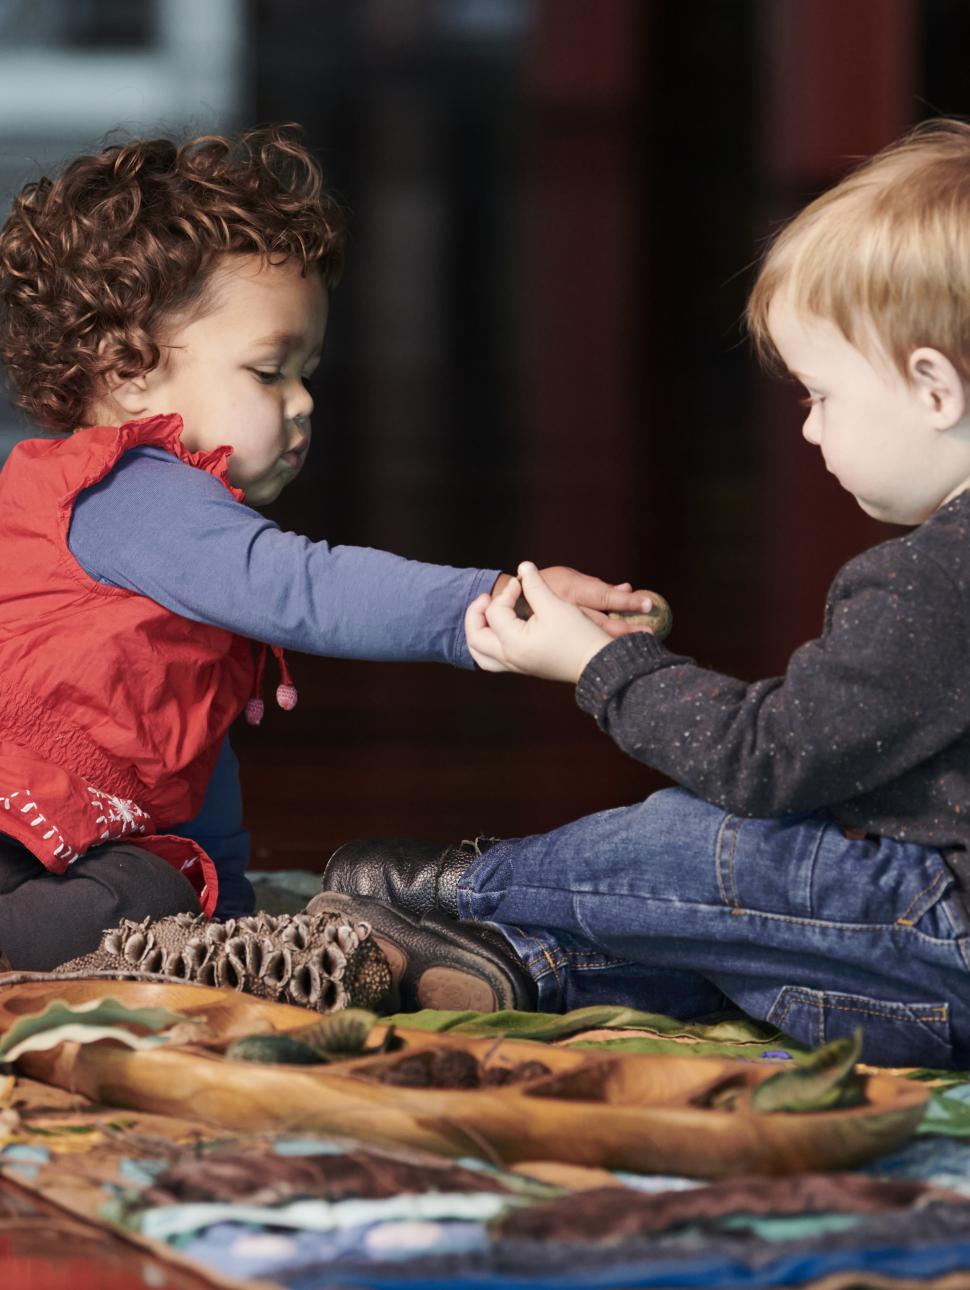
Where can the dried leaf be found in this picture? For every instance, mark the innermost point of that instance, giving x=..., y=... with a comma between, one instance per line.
x=339, y=1034
x=85, y=1023
x=819, y=1082
x=81, y=1034
x=272, y=1048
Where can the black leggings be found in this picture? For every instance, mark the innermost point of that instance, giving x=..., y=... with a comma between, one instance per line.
x=46, y=918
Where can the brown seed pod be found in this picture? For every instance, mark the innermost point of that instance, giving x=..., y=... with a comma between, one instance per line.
x=659, y=617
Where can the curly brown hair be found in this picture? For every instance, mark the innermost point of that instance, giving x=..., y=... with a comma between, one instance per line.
x=94, y=264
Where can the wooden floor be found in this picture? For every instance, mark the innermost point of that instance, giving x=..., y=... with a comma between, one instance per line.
x=44, y=1248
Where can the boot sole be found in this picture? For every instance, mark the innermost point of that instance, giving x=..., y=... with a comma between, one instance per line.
x=446, y=987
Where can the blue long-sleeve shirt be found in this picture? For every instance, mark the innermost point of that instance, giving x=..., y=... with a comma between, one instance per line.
x=165, y=530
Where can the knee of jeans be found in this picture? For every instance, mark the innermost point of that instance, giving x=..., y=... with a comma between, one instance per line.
x=676, y=801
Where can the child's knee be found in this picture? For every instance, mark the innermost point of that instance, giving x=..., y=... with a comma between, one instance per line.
x=51, y=918
x=141, y=885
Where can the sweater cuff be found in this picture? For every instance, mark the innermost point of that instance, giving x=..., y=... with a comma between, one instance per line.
x=482, y=580
x=614, y=667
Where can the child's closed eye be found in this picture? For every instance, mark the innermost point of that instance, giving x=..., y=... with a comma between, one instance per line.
x=267, y=376
x=810, y=400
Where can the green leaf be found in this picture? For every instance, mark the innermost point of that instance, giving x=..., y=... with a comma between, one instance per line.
x=47, y=1039
x=819, y=1082
x=273, y=1048
x=547, y=1028
x=85, y=1023
x=61, y=1128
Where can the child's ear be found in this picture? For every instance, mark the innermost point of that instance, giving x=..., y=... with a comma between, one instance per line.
x=939, y=387
x=130, y=395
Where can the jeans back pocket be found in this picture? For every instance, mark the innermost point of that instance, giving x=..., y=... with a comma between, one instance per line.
x=894, y=1033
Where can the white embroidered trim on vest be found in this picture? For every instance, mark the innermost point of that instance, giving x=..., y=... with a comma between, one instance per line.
x=62, y=851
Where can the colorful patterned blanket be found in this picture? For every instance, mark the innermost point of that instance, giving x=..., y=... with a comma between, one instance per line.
x=308, y=1212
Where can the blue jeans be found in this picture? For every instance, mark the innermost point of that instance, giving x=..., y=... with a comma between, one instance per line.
x=674, y=906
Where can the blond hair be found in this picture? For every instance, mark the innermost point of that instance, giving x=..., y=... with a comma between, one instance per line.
x=884, y=254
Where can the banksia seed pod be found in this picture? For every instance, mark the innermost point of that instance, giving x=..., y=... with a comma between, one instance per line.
x=319, y=961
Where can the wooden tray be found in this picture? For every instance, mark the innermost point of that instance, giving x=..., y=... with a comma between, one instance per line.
x=643, y=1113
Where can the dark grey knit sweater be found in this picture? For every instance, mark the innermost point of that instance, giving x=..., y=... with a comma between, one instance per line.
x=870, y=721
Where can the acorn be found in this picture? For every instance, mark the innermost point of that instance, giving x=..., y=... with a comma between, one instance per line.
x=658, y=617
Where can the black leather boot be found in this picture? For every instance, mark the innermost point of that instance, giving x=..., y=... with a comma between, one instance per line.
x=416, y=877
x=437, y=961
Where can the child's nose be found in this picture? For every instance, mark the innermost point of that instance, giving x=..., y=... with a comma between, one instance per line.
x=300, y=403
x=810, y=431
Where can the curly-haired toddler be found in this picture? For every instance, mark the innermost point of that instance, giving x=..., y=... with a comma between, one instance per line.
x=161, y=309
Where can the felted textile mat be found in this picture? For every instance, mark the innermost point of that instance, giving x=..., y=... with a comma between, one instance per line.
x=309, y=1221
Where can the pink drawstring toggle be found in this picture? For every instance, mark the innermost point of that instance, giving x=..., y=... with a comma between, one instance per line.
x=255, y=706
x=285, y=691
x=286, y=697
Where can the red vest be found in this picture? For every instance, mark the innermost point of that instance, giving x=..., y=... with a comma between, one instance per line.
x=112, y=709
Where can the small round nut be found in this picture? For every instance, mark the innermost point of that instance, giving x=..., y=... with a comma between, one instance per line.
x=658, y=618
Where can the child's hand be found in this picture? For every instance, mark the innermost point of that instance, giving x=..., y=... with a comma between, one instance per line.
x=597, y=599
x=556, y=643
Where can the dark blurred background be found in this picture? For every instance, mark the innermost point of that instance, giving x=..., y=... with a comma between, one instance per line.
x=536, y=350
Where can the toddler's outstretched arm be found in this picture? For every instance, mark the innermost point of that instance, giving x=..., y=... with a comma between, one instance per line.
x=604, y=602
x=556, y=643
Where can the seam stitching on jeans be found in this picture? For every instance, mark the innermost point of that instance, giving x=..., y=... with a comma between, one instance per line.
x=949, y=918
x=597, y=961
x=819, y=1012
x=540, y=953
x=904, y=929
x=735, y=903
x=552, y=964
x=570, y=959
x=812, y=866
x=940, y=1011
x=940, y=878
x=718, y=851
x=799, y=996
